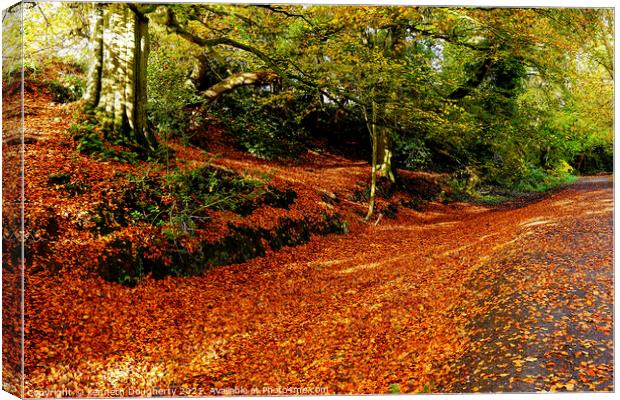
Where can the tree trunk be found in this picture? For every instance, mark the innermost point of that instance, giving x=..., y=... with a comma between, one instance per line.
x=95, y=45
x=371, y=124
x=117, y=79
x=384, y=155
x=582, y=156
x=373, y=176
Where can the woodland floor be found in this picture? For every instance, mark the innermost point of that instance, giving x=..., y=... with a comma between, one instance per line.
x=457, y=298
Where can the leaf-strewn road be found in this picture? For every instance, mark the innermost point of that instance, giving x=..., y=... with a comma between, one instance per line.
x=549, y=326
x=458, y=298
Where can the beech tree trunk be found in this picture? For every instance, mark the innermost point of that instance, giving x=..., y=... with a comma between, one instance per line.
x=116, y=85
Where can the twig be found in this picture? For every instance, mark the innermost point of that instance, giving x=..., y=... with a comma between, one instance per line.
x=43, y=14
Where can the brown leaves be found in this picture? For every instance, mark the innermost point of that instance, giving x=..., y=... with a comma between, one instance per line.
x=416, y=302
x=547, y=322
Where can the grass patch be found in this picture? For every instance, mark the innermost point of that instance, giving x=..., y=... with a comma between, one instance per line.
x=492, y=199
x=539, y=181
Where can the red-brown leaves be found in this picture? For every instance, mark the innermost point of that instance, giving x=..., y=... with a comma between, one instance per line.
x=453, y=298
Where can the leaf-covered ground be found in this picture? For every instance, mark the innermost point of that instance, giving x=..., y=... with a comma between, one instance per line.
x=547, y=323
x=454, y=298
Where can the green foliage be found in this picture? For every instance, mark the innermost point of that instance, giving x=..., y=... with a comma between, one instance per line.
x=492, y=199
x=535, y=87
x=170, y=96
x=67, y=89
x=210, y=188
x=56, y=31
x=179, y=254
x=267, y=126
x=538, y=180
x=139, y=200
x=91, y=141
x=173, y=207
x=462, y=185
x=394, y=388
x=127, y=262
x=411, y=153
x=180, y=201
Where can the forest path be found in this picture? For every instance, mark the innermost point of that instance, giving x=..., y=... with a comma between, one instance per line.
x=451, y=303
x=457, y=298
x=551, y=323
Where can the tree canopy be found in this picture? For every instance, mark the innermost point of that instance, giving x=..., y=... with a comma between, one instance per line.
x=500, y=95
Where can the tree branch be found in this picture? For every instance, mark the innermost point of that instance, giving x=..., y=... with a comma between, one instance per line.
x=233, y=82
x=173, y=24
x=280, y=10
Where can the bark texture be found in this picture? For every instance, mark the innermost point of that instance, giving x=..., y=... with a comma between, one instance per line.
x=117, y=79
x=371, y=124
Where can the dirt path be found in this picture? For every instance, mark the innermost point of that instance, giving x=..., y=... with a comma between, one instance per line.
x=462, y=302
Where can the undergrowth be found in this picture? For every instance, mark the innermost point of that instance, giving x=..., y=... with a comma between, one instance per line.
x=66, y=89
x=176, y=210
x=91, y=141
x=467, y=186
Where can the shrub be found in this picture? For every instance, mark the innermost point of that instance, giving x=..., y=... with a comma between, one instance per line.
x=267, y=126
x=66, y=89
x=90, y=141
x=411, y=153
x=180, y=201
x=170, y=95
x=215, y=189
x=539, y=180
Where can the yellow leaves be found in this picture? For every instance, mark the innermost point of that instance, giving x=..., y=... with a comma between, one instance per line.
x=567, y=386
x=518, y=362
